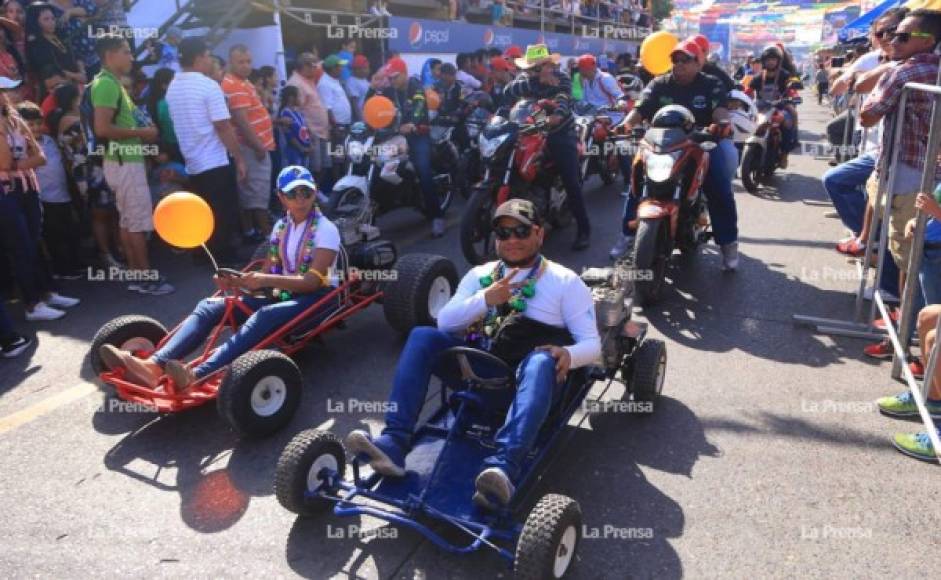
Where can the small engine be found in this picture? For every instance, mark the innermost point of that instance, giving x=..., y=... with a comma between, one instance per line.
x=612, y=291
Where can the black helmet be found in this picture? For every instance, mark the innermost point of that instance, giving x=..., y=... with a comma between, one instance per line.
x=771, y=51
x=674, y=117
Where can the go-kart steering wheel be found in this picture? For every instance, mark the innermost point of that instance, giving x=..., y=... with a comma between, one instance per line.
x=454, y=366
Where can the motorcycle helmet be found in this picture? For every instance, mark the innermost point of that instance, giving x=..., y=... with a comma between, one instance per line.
x=674, y=117
x=771, y=51
x=745, y=101
x=630, y=83
x=358, y=128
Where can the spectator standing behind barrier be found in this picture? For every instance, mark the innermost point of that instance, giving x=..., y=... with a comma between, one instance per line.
x=116, y=121
x=358, y=85
x=201, y=121
x=73, y=17
x=45, y=47
x=339, y=112
x=305, y=78
x=256, y=140
x=297, y=143
x=823, y=83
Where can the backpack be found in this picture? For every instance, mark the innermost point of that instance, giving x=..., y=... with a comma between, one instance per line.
x=96, y=146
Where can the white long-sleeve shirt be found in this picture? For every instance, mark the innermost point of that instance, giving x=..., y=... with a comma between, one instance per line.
x=603, y=91
x=561, y=300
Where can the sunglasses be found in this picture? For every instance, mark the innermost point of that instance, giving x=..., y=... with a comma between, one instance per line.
x=884, y=33
x=301, y=191
x=520, y=232
x=682, y=60
x=904, y=37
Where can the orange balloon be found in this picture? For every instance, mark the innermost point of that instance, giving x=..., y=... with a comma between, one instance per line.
x=655, y=52
x=433, y=99
x=379, y=112
x=183, y=220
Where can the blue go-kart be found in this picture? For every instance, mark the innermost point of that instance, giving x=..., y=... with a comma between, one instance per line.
x=448, y=450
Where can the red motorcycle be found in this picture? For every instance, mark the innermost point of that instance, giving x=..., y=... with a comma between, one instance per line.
x=516, y=161
x=762, y=154
x=667, y=174
x=595, y=127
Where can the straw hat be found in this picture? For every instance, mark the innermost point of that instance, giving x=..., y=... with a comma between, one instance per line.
x=537, y=54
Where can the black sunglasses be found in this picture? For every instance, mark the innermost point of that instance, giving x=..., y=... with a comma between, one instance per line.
x=885, y=32
x=301, y=191
x=904, y=37
x=520, y=232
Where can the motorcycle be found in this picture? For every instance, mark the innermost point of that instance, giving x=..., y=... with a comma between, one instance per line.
x=445, y=158
x=761, y=154
x=513, y=153
x=668, y=173
x=379, y=177
x=594, y=127
x=478, y=112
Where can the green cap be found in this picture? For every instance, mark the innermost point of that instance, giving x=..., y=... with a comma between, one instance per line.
x=332, y=61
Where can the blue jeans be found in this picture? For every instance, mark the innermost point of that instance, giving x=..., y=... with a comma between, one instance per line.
x=845, y=184
x=269, y=315
x=536, y=389
x=928, y=290
x=419, y=152
x=563, y=146
x=20, y=237
x=719, y=196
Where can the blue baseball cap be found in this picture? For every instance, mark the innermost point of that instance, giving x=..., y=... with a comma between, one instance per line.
x=293, y=176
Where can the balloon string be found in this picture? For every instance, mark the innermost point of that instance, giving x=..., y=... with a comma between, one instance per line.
x=215, y=266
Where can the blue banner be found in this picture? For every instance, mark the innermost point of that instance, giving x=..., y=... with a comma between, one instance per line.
x=720, y=36
x=412, y=35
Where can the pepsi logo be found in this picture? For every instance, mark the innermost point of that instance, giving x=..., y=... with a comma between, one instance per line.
x=488, y=37
x=414, y=33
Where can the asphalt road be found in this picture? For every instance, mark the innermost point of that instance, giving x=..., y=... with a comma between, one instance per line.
x=766, y=458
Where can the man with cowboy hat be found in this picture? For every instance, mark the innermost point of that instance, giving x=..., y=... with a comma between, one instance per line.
x=541, y=79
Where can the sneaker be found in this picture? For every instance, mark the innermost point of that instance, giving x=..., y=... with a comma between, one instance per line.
x=903, y=405
x=624, y=245
x=917, y=369
x=383, y=453
x=894, y=314
x=729, y=257
x=437, y=227
x=59, y=301
x=493, y=483
x=158, y=288
x=70, y=275
x=917, y=445
x=15, y=346
x=880, y=350
x=135, y=287
x=851, y=247
x=43, y=311
x=183, y=376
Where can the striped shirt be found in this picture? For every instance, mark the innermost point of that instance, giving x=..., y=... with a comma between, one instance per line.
x=241, y=94
x=196, y=102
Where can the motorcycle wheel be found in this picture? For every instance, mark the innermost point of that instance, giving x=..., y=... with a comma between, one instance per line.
x=650, y=260
x=345, y=203
x=751, y=169
x=478, y=243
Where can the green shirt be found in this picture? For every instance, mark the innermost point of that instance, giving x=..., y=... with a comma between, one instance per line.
x=577, y=86
x=106, y=91
x=165, y=122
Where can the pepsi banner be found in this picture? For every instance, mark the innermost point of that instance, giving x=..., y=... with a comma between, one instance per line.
x=416, y=35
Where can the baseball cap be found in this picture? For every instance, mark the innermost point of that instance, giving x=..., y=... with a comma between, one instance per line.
x=702, y=42
x=521, y=210
x=332, y=61
x=688, y=47
x=360, y=60
x=396, y=66
x=586, y=61
x=498, y=63
x=293, y=176
x=8, y=83
x=513, y=51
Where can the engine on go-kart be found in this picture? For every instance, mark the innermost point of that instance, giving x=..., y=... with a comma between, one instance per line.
x=612, y=290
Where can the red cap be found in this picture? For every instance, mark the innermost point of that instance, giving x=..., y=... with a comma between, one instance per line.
x=688, y=47
x=513, y=51
x=500, y=64
x=359, y=61
x=396, y=66
x=702, y=42
x=587, y=61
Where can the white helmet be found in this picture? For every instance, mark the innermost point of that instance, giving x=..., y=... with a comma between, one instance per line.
x=744, y=118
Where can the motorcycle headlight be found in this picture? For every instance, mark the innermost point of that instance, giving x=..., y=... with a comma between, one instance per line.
x=356, y=150
x=488, y=147
x=659, y=167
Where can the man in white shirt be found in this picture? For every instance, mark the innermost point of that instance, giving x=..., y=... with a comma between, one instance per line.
x=358, y=85
x=599, y=88
x=337, y=102
x=557, y=304
x=202, y=123
x=465, y=78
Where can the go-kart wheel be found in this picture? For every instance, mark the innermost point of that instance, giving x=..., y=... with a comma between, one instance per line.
x=299, y=470
x=137, y=334
x=550, y=536
x=260, y=393
x=649, y=369
x=424, y=283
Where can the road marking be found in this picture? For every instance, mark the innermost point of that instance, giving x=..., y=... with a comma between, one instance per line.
x=46, y=406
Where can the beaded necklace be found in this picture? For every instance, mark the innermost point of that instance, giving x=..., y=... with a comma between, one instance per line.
x=481, y=332
x=304, y=253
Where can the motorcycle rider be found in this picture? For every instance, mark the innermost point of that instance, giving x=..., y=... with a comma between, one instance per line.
x=541, y=79
x=771, y=85
x=393, y=82
x=711, y=68
x=599, y=88
x=704, y=96
x=502, y=72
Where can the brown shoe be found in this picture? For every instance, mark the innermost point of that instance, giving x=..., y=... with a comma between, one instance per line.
x=183, y=376
x=137, y=370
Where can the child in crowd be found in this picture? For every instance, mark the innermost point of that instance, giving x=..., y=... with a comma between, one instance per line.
x=297, y=144
x=60, y=227
x=167, y=177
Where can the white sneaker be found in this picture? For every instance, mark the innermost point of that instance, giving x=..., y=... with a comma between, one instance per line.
x=730, y=257
x=158, y=288
x=43, y=311
x=60, y=301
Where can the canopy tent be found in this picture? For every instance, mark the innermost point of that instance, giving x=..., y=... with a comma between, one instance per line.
x=926, y=4
x=860, y=26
